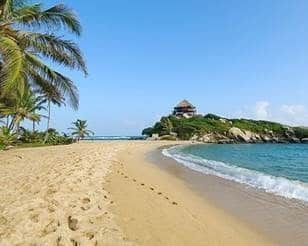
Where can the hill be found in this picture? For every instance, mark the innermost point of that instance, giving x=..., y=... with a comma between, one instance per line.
x=215, y=129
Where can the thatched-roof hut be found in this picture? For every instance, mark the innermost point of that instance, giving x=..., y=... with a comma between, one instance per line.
x=184, y=109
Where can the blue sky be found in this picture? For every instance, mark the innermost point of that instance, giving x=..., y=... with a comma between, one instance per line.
x=233, y=58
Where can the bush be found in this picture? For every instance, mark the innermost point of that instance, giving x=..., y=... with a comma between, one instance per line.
x=301, y=132
x=54, y=138
x=7, y=138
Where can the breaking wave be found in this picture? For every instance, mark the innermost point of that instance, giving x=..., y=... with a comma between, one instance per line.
x=277, y=185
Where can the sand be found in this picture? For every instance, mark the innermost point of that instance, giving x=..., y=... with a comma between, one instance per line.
x=106, y=193
x=56, y=196
x=154, y=207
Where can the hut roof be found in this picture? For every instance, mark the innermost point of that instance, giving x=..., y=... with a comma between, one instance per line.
x=184, y=104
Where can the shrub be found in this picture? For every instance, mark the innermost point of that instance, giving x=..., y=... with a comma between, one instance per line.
x=7, y=138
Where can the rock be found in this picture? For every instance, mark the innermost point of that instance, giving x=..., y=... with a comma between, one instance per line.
x=294, y=140
x=226, y=141
x=266, y=138
x=304, y=140
x=238, y=134
x=223, y=120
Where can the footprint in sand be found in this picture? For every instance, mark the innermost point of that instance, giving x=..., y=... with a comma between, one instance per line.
x=167, y=198
x=142, y=184
x=174, y=203
x=151, y=188
x=50, y=227
x=72, y=223
x=34, y=218
x=159, y=193
x=74, y=242
x=86, y=200
x=134, y=180
x=90, y=235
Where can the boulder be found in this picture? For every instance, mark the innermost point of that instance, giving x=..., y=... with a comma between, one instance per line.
x=294, y=140
x=304, y=140
x=240, y=135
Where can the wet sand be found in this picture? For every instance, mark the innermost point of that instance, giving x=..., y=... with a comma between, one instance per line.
x=155, y=207
x=281, y=219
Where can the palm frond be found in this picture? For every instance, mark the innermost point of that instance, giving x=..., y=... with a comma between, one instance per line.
x=13, y=62
x=64, y=84
x=62, y=51
x=58, y=16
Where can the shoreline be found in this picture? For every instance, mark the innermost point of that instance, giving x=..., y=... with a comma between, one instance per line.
x=154, y=207
x=282, y=219
x=127, y=193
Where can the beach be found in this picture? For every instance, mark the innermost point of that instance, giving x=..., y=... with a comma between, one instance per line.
x=107, y=193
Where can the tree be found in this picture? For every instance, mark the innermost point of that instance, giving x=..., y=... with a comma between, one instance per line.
x=80, y=130
x=51, y=95
x=27, y=36
x=22, y=105
x=166, y=125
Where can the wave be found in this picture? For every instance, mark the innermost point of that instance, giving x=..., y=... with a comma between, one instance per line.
x=277, y=185
x=114, y=138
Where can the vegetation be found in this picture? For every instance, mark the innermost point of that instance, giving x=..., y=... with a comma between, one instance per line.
x=29, y=43
x=186, y=128
x=80, y=130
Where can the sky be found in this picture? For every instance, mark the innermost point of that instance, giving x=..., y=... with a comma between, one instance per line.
x=228, y=57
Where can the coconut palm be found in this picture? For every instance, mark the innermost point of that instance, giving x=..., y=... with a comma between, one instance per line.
x=23, y=105
x=80, y=130
x=27, y=34
x=50, y=94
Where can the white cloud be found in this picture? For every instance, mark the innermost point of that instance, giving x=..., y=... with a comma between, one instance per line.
x=290, y=114
x=261, y=110
x=293, y=110
x=295, y=114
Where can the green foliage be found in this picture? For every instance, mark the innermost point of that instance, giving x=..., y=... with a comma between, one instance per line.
x=168, y=137
x=301, y=132
x=212, y=116
x=28, y=38
x=33, y=138
x=7, y=137
x=80, y=130
x=210, y=123
x=259, y=126
x=148, y=131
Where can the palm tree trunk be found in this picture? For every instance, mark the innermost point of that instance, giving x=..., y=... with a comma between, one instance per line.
x=33, y=126
x=11, y=125
x=48, y=122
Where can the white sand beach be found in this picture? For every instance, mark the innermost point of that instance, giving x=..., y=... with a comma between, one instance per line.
x=105, y=193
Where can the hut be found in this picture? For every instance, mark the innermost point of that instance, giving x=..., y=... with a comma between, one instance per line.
x=184, y=109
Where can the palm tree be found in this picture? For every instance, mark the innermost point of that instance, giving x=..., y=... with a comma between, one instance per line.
x=23, y=105
x=80, y=129
x=51, y=95
x=27, y=34
x=167, y=125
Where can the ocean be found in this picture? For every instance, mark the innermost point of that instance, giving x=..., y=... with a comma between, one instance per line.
x=281, y=169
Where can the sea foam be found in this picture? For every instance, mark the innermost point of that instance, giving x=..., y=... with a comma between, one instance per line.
x=277, y=185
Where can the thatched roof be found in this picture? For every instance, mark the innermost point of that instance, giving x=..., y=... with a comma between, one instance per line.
x=184, y=104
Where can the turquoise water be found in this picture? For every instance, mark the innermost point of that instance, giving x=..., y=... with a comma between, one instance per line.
x=281, y=169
